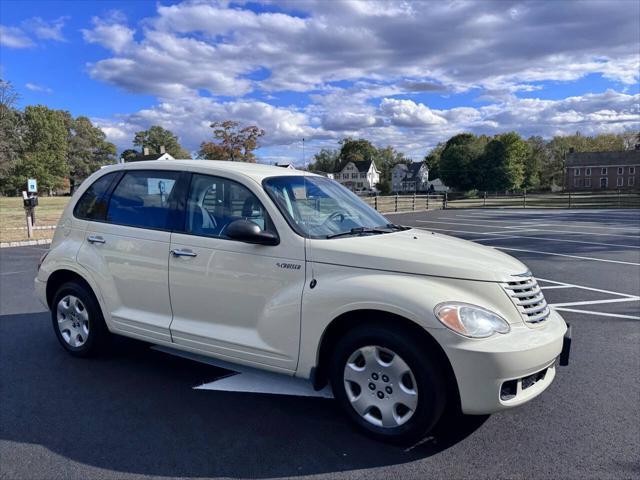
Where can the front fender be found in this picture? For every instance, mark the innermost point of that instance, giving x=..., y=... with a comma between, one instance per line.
x=341, y=289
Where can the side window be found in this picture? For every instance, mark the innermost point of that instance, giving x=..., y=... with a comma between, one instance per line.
x=93, y=203
x=215, y=202
x=142, y=199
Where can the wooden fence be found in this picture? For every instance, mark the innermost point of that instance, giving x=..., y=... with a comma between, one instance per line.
x=414, y=203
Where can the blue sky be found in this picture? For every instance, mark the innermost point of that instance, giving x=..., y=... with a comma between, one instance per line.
x=399, y=73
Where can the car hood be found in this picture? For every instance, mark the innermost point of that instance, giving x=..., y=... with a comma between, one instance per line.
x=418, y=252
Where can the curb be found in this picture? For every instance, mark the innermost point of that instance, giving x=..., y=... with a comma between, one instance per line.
x=25, y=243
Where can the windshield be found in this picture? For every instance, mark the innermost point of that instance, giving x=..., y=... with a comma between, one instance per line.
x=321, y=208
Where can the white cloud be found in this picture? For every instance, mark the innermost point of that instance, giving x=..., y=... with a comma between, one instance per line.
x=492, y=44
x=34, y=87
x=407, y=113
x=362, y=67
x=47, y=30
x=190, y=119
x=36, y=27
x=14, y=37
x=114, y=36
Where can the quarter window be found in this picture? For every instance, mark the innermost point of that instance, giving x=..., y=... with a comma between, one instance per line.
x=142, y=199
x=93, y=203
x=576, y=171
x=215, y=202
x=620, y=170
x=603, y=171
x=632, y=170
x=587, y=172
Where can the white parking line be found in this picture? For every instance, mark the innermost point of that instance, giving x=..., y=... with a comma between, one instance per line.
x=589, y=234
x=503, y=235
x=458, y=223
x=602, y=314
x=594, y=302
x=532, y=222
x=568, y=256
x=578, y=224
x=582, y=287
x=499, y=236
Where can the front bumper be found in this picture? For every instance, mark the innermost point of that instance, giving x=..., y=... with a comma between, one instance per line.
x=524, y=360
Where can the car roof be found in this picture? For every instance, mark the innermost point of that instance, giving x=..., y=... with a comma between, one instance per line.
x=256, y=171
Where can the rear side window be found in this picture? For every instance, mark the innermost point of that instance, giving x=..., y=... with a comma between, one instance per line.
x=143, y=199
x=93, y=203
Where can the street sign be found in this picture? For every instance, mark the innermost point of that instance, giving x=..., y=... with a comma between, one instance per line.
x=32, y=185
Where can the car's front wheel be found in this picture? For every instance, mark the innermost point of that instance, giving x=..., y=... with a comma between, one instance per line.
x=77, y=320
x=390, y=386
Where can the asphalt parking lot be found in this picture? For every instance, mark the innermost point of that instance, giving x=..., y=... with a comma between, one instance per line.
x=135, y=413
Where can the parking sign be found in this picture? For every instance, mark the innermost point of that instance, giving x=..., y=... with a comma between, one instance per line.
x=32, y=185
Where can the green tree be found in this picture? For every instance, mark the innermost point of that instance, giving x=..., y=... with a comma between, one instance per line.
x=45, y=150
x=384, y=186
x=502, y=165
x=535, y=163
x=156, y=137
x=386, y=158
x=232, y=142
x=88, y=150
x=129, y=155
x=326, y=160
x=357, y=150
x=459, y=159
x=432, y=159
x=11, y=129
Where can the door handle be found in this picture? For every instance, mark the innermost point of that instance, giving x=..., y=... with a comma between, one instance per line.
x=95, y=239
x=183, y=253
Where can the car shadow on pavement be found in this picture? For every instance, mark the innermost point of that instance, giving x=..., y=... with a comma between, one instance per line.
x=135, y=411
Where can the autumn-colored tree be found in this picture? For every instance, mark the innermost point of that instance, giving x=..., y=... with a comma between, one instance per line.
x=232, y=142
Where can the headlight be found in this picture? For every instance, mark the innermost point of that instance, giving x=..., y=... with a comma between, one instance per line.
x=470, y=320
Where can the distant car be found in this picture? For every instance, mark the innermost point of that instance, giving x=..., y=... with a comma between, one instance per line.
x=290, y=272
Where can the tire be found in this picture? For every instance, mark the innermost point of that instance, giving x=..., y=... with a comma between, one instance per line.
x=77, y=320
x=366, y=376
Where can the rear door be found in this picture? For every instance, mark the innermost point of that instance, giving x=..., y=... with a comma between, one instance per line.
x=127, y=252
x=233, y=299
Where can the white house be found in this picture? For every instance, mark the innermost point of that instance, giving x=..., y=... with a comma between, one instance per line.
x=410, y=178
x=358, y=176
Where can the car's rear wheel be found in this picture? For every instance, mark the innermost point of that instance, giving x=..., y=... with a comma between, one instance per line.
x=390, y=386
x=78, y=321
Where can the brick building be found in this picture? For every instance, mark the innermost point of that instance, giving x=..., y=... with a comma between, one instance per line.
x=603, y=170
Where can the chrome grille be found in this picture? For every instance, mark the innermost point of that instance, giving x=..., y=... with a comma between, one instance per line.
x=528, y=299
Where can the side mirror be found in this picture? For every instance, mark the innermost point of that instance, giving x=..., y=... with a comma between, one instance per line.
x=249, y=232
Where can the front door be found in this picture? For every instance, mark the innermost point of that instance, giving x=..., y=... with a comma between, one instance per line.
x=235, y=300
x=127, y=252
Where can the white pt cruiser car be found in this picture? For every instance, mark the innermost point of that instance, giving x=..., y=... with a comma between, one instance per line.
x=290, y=272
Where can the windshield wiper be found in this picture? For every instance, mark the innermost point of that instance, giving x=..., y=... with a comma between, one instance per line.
x=357, y=231
x=393, y=226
